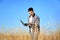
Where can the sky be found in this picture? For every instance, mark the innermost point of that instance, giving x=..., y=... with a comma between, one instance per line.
x=12, y=11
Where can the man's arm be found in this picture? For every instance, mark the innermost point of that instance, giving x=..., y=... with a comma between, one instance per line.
x=37, y=21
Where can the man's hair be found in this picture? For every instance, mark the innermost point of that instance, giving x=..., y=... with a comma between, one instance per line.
x=30, y=9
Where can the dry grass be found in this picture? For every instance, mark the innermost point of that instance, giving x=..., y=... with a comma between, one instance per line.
x=55, y=36
x=26, y=36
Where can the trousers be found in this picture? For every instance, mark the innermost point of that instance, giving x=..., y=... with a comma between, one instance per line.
x=34, y=32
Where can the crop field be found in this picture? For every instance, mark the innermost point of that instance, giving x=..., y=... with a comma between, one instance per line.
x=28, y=37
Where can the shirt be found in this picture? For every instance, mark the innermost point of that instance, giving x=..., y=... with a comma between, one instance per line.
x=34, y=20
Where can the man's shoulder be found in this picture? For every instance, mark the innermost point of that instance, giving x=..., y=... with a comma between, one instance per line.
x=37, y=16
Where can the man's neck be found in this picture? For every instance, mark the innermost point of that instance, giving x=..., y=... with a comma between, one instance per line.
x=33, y=15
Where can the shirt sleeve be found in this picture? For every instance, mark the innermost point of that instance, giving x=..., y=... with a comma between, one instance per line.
x=37, y=21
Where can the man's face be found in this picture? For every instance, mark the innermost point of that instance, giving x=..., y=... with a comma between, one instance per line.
x=31, y=13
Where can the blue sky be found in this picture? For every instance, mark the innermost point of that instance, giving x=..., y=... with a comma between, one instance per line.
x=11, y=11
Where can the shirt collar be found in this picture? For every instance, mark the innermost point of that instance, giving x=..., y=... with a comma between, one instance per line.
x=33, y=15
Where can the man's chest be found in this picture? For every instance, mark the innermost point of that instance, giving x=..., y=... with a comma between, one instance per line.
x=32, y=19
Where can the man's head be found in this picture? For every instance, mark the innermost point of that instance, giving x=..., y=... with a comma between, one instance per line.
x=31, y=11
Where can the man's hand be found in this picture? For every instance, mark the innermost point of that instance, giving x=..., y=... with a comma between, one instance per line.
x=30, y=24
x=27, y=24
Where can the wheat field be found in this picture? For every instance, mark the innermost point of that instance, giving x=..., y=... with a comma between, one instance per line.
x=23, y=35
x=28, y=37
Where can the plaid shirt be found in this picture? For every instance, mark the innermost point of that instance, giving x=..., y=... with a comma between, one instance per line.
x=36, y=21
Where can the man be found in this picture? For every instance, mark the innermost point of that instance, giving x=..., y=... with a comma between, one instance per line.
x=34, y=24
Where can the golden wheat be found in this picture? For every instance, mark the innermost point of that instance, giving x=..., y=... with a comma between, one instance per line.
x=28, y=37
